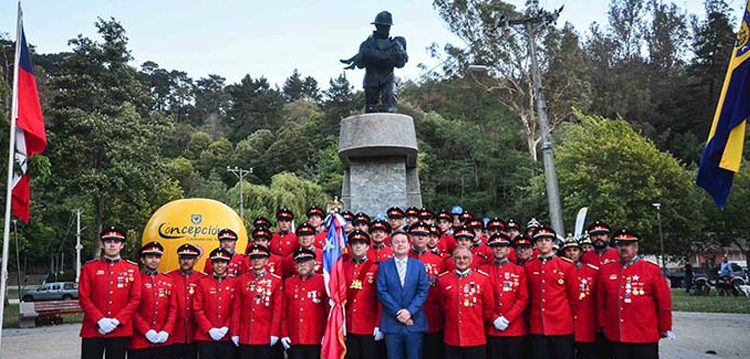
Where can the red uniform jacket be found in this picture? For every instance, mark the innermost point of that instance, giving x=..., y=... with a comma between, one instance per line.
x=552, y=288
x=157, y=311
x=468, y=304
x=433, y=307
x=320, y=239
x=447, y=243
x=511, y=254
x=362, y=304
x=290, y=267
x=585, y=312
x=184, y=289
x=634, y=302
x=379, y=255
x=305, y=310
x=212, y=306
x=109, y=290
x=593, y=257
x=237, y=266
x=511, y=296
x=283, y=244
x=257, y=308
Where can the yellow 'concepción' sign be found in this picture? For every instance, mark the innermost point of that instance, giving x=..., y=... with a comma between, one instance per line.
x=196, y=221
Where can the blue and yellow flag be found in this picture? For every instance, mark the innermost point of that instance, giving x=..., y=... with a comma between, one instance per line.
x=723, y=154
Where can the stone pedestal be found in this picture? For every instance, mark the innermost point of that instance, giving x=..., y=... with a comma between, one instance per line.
x=379, y=154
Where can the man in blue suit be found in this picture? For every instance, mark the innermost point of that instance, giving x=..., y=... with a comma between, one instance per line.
x=402, y=289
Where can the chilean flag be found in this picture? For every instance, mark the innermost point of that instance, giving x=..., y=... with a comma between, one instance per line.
x=30, y=138
x=334, y=344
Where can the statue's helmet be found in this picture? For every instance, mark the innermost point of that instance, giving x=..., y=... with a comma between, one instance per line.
x=383, y=18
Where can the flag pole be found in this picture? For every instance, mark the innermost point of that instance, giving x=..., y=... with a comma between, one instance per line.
x=9, y=189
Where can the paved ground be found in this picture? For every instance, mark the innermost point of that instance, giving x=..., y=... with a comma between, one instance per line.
x=726, y=334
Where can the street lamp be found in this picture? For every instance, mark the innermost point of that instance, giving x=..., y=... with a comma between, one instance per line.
x=657, y=205
x=240, y=173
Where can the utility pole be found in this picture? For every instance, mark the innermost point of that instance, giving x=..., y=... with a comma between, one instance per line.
x=18, y=259
x=530, y=25
x=657, y=205
x=240, y=173
x=79, y=247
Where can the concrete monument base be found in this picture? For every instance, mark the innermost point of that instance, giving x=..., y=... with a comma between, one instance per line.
x=379, y=154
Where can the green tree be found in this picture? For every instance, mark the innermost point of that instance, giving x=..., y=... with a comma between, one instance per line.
x=607, y=166
x=293, y=88
x=254, y=105
x=103, y=146
x=506, y=55
x=310, y=89
x=339, y=102
x=285, y=190
x=211, y=104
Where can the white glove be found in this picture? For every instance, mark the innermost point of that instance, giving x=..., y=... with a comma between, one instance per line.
x=274, y=340
x=286, y=342
x=102, y=332
x=163, y=336
x=377, y=334
x=114, y=322
x=152, y=336
x=105, y=325
x=671, y=335
x=236, y=340
x=224, y=330
x=215, y=334
x=501, y=323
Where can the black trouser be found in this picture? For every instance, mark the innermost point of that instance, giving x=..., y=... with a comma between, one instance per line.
x=432, y=345
x=361, y=347
x=112, y=348
x=604, y=346
x=277, y=351
x=217, y=350
x=688, y=283
x=185, y=351
x=150, y=353
x=552, y=346
x=635, y=350
x=254, y=352
x=304, y=352
x=505, y=347
x=587, y=350
x=477, y=352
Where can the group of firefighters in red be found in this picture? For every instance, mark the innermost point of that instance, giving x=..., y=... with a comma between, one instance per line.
x=496, y=291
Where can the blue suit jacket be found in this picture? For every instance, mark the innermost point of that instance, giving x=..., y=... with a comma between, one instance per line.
x=394, y=298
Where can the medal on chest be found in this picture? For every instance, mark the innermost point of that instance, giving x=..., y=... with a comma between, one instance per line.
x=313, y=296
x=356, y=284
x=263, y=292
x=584, y=288
x=471, y=290
x=628, y=290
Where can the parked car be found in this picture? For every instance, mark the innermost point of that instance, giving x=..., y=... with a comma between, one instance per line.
x=676, y=279
x=52, y=291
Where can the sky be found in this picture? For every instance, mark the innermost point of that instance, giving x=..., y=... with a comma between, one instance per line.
x=233, y=38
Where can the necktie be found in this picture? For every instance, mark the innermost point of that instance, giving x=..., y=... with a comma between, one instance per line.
x=401, y=266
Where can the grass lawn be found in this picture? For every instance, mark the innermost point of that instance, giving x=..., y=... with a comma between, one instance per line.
x=10, y=317
x=710, y=304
